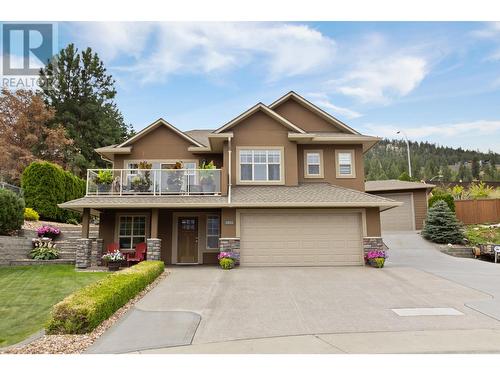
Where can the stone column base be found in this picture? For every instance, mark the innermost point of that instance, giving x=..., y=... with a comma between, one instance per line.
x=153, y=249
x=99, y=246
x=83, y=252
x=230, y=245
x=373, y=244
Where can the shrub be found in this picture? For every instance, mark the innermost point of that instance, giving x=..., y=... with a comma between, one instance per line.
x=30, y=214
x=448, y=198
x=48, y=231
x=11, y=211
x=46, y=185
x=73, y=221
x=480, y=190
x=44, y=251
x=441, y=225
x=85, y=309
x=226, y=263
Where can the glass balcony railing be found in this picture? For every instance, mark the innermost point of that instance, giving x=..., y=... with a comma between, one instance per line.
x=153, y=182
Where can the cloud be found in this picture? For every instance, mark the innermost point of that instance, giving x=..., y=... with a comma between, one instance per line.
x=163, y=49
x=479, y=127
x=380, y=80
x=490, y=32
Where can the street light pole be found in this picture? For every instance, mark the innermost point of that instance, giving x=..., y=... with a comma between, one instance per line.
x=407, y=149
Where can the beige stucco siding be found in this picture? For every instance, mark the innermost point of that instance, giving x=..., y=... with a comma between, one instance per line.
x=163, y=144
x=330, y=166
x=303, y=117
x=261, y=130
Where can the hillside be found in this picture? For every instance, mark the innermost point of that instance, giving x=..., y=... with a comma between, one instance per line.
x=388, y=160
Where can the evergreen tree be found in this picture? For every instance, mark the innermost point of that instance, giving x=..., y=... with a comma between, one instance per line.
x=441, y=225
x=404, y=177
x=446, y=173
x=475, y=167
x=82, y=94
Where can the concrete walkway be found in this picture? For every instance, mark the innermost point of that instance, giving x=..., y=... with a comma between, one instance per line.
x=323, y=309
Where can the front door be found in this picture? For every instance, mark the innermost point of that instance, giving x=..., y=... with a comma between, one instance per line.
x=187, y=240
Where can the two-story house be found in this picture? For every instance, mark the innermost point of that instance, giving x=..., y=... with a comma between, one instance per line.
x=287, y=188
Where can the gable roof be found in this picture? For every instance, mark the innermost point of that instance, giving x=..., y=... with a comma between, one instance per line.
x=259, y=107
x=312, y=107
x=153, y=126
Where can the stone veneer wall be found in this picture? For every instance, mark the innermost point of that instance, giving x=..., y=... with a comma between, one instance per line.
x=83, y=252
x=373, y=244
x=229, y=244
x=153, y=249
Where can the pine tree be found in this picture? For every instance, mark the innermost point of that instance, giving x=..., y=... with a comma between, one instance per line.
x=441, y=225
x=475, y=167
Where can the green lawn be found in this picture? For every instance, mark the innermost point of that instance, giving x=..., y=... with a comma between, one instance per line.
x=27, y=294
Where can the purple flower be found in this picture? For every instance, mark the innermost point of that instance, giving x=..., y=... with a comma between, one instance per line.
x=47, y=230
x=228, y=254
x=375, y=254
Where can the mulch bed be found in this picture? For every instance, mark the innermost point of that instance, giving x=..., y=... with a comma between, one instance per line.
x=75, y=344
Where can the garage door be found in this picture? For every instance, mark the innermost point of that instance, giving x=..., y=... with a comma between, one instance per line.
x=300, y=239
x=398, y=218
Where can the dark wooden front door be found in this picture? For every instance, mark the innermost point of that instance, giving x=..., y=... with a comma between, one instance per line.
x=187, y=240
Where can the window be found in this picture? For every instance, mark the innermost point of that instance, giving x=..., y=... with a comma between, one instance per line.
x=260, y=165
x=313, y=164
x=345, y=163
x=213, y=232
x=132, y=231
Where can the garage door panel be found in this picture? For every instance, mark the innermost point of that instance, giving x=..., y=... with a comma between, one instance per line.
x=297, y=239
x=398, y=218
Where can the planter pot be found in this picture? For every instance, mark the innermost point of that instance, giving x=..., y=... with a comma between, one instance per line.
x=103, y=188
x=207, y=188
x=114, y=266
x=376, y=262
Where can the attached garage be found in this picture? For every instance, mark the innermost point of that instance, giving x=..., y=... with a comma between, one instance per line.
x=411, y=214
x=294, y=238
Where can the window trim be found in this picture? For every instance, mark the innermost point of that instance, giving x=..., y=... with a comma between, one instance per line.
x=125, y=214
x=321, y=164
x=211, y=235
x=337, y=163
x=281, y=150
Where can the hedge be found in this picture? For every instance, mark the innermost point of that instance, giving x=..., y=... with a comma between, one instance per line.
x=45, y=185
x=88, y=307
x=11, y=212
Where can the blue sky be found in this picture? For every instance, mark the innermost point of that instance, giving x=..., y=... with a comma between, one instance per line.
x=436, y=81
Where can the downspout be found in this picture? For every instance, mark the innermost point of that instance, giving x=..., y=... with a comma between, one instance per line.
x=229, y=170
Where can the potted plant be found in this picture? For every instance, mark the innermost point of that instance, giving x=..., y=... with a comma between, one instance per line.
x=207, y=181
x=228, y=259
x=175, y=178
x=104, y=180
x=142, y=181
x=47, y=231
x=113, y=260
x=376, y=258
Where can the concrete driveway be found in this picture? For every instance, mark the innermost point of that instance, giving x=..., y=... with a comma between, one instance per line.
x=328, y=309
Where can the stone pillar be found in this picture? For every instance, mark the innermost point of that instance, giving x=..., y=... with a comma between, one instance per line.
x=153, y=249
x=83, y=252
x=230, y=245
x=373, y=244
x=99, y=246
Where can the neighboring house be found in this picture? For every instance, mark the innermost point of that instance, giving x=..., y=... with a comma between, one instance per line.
x=288, y=189
x=411, y=214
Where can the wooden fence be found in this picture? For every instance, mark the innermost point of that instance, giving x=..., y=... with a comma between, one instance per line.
x=477, y=211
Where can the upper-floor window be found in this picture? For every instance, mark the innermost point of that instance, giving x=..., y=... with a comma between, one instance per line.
x=313, y=164
x=345, y=163
x=260, y=165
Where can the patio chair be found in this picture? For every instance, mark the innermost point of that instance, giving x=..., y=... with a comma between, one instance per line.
x=140, y=253
x=112, y=247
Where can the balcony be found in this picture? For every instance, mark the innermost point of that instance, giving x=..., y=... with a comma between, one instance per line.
x=155, y=182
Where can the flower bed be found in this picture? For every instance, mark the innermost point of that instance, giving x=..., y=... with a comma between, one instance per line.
x=85, y=309
x=376, y=258
x=48, y=231
x=228, y=259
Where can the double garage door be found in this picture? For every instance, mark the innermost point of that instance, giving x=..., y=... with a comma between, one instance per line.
x=291, y=238
x=401, y=217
